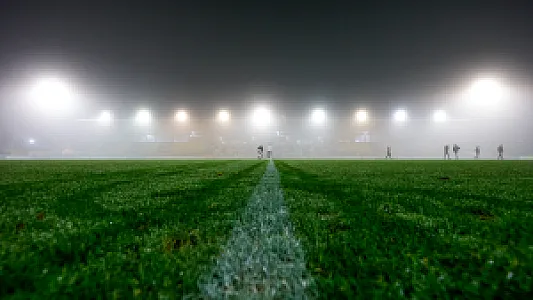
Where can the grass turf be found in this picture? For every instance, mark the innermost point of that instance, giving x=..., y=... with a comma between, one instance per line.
x=108, y=229
x=415, y=229
x=148, y=229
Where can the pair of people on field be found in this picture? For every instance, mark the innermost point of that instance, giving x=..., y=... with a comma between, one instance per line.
x=260, y=151
x=455, y=150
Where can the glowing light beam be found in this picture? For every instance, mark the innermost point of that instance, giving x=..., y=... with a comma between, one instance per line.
x=181, y=116
x=486, y=92
x=361, y=116
x=318, y=117
x=52, y=95
x=143, y=117
x=223, y=116
x=400, y=116
x=262, y=117
x=440, y=116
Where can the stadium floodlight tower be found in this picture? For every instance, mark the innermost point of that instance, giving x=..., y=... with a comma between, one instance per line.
x=262, y=117
x=105, y=118
x=484, y=96
x=143, y=117
x=361, y=116
x=439, y=116
x=485, y=92
x=318, y=117
x=400, y=116
x=223, y=116
x=181, y=116
x=52, y=95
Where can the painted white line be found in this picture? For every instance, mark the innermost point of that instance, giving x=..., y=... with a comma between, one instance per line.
x=262, y=259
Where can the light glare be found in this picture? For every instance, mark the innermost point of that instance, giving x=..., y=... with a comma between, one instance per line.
x=182, y=116
x=52, y=94
x=440, y=116
x=361, y=116
x=262, y=117
x=486, y=91
x=400, y=116
x=143, y=117
x=318, y=116
x=223, y=116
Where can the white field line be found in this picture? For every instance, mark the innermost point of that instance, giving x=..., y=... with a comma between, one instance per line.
x=262, y=259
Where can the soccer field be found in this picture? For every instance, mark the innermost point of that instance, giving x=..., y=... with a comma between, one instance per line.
x=151, y=229
x=396, y=229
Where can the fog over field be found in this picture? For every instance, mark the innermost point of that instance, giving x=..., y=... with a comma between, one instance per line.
x=266, y=149
x=321, y=81
x=322, y=130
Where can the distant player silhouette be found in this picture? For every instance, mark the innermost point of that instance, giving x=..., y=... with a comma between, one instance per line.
x=260, y=152
x=447, y=152
x=389, y=152
x=500, y=152
x=456, y=150
x=477, y=152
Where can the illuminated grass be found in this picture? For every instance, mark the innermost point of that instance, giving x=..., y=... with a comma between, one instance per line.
x=401, y=229
x=116, y=229
x=262, y=259
x=148, y=229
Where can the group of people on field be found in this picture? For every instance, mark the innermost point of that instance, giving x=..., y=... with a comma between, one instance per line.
x=477, y=151
x=455, y=149
x=260, y=152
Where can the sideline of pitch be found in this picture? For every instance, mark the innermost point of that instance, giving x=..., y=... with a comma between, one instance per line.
x=262, y=258
x=123, y=158
x=11, y=157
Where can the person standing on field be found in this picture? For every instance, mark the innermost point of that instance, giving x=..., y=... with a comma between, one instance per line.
x=447, y=152
x=389, y=152
x=500, y=152
x=260, y=152
x=456, y=150
x=477, y=152
x=269, y=151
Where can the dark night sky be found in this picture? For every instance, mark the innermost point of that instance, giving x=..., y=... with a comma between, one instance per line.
x=218, y=51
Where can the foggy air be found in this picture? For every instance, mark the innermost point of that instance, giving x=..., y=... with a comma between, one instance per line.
x=266, y=149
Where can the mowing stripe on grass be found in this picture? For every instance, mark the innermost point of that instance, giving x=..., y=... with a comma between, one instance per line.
x=262, y=259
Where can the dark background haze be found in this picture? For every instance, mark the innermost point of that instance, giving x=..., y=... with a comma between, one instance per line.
x=341, y=55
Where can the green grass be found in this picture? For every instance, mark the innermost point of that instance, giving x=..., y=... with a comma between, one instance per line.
x=370, y=229
x=394, y=229
x=108, y=229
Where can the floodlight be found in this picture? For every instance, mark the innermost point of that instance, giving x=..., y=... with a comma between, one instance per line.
x=106, y=118
x=31, y=141
x=318, y=116
x=439, y=116
x=262, y=117
x=181, y=116
x=486, y=91
x=361, y=116
x=400, y=115
x=223, y=116
x=52, y=94
x=143, y=117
